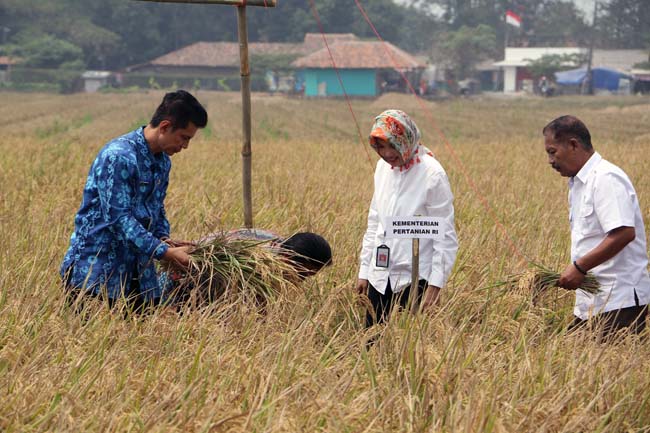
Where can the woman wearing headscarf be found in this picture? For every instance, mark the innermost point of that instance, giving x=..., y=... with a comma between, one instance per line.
x=408, y=181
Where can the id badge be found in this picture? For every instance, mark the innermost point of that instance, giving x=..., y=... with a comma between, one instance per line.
x=383, y=256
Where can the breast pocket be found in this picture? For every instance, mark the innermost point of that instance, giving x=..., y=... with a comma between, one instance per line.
x=589, y=220
x=145, y=183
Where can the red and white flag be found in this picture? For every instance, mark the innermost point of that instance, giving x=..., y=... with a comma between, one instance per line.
x=513, y=19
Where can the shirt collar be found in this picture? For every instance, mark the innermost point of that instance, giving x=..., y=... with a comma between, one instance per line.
x=588, y=168
x=143, y=146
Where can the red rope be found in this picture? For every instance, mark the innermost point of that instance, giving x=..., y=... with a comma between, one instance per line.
x=448, y=146
x=338, y=76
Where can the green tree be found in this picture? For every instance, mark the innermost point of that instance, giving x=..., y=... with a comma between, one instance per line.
x=544, y=22
x=50, y=52
x=409, y=27
x=118, y=33
x=557, y=23
x=624, y=24
x=549, y=64
x=468, y=46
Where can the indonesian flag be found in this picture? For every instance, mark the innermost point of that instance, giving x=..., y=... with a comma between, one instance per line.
x=513, y=18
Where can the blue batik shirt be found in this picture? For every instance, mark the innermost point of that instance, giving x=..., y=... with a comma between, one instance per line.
x=121, y=221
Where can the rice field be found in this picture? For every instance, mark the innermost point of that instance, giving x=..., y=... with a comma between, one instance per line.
x=487, y=360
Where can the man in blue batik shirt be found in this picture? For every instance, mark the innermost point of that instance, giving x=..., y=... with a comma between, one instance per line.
x=121, y=227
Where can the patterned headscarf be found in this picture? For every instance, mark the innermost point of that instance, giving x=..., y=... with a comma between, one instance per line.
x=397, y=128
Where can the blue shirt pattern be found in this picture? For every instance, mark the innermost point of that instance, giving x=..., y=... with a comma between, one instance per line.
x=121, y=220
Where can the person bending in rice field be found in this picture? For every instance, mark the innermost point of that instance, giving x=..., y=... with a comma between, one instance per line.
x=607, y=231
x=121, y=228
x=409, y=181
x=307, y=253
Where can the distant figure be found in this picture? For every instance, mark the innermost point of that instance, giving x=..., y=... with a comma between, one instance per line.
x=544, y=87
x=467, y=87
x=408, y=181
x=432, y=86
x=299, y=86
x=607, y=231
x=121, y=227
x=271, y=81
x=423, y=87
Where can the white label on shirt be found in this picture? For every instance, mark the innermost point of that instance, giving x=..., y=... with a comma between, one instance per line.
x=414, y=228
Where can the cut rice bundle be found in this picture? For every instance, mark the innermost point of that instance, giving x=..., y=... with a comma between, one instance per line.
x=540, y=279
x=226, y=267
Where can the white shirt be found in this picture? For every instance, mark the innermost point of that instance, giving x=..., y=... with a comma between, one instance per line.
x=601, y=199
x=422, y=190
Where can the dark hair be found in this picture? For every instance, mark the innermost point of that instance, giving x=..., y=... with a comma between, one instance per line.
x=180, y=108
x=311, y=252
x=566, y=127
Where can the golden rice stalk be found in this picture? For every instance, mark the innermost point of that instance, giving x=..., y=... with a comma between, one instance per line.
x=540, y=279
x=226, y=267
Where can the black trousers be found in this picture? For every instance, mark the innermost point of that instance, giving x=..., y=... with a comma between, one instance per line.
x=631, y=318
x=382, y=305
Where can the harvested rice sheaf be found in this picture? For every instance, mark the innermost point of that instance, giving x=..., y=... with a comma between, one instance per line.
x=540, y=279
x=226, y=268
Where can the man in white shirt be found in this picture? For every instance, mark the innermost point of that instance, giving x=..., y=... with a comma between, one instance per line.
x=607, y=231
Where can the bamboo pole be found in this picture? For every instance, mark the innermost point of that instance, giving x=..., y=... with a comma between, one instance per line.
x=246, y=151
x=415, y=276
x=242, y=28
x=264, y=3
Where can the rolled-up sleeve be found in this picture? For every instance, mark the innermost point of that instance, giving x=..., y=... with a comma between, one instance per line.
x=440, y=204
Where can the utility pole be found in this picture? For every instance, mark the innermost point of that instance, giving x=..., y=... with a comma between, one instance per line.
x=588, y=82
x=246, y=152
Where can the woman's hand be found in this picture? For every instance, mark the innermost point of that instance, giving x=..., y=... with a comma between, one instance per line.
x=362, y=286
x=431, y=298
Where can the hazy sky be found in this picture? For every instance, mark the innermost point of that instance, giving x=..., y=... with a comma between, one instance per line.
x=587, y=6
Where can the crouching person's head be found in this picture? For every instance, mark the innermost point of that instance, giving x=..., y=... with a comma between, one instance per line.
x=308, y=252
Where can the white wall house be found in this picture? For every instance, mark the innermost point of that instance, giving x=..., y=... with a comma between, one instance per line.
x=516, y=60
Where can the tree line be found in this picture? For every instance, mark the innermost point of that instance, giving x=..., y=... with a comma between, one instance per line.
x=111, y=34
